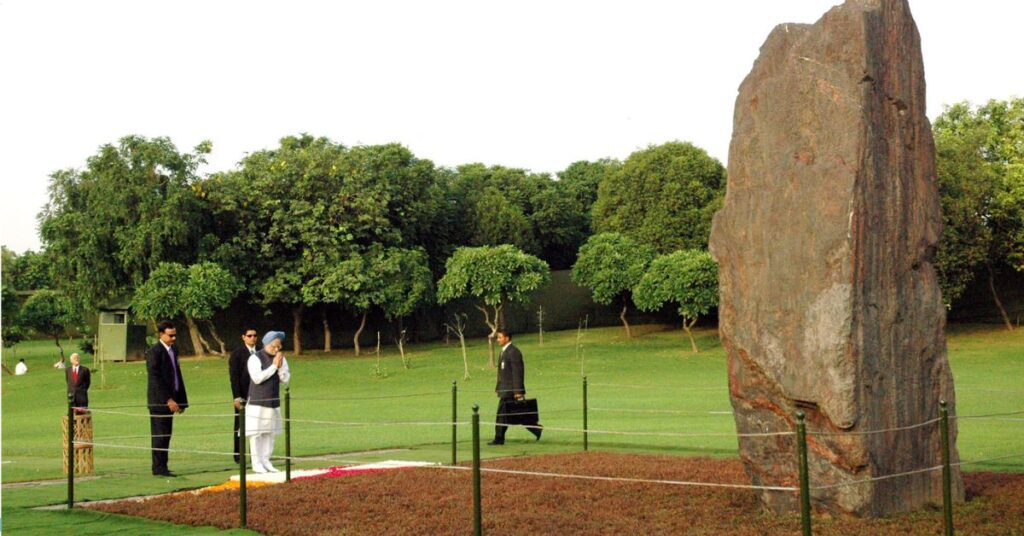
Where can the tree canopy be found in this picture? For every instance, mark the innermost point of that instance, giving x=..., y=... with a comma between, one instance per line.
x=610, y=265
x=688, y=278
x=664, y=196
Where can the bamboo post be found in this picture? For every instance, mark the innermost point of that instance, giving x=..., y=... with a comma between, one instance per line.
x=455, y=415
x=947, y=477
x=71, y=451
x=287, y=433
x=241, y=467
x=477, y=515
x=805, y=492
x=585, y=438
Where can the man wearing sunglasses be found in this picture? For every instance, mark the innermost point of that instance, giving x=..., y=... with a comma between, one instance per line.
x=240, y=374
x=166, y=393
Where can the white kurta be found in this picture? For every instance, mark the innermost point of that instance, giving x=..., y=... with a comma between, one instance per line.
x=262, y=419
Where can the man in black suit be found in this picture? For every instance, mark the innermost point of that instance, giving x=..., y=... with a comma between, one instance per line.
x=166, y=393
x=510, y=387
x=240, y=375
x=78, y=384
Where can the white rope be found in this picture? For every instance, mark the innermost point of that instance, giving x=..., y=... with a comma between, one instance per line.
x=637, y=480
x=987, y=415
x=305, y=421
x=883, y=431
x=669, y=388
x=1019, y=455
x=661, y=434
x=668, y=411
x=874, y=479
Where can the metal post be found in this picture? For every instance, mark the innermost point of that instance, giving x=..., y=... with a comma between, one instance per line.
x=287, y=433
x=585, y=445
x=241, y=466
x=947, y=477
x=478, y=529
x=805, y=492
x=455, y=415
x=71, y=451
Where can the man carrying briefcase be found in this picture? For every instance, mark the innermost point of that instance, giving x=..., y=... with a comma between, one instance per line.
x=513, y=408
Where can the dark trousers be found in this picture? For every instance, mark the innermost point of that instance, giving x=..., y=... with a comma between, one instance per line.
x=160, y=425
x=502, y=419
x=235, y=435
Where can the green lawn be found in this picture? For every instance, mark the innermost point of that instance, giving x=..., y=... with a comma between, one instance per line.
x=651, y=384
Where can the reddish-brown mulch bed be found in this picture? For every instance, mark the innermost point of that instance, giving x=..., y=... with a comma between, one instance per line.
x=439, y=501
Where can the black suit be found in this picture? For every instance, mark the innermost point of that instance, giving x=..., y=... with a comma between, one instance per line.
x=510, y=383
x=239, y=375
x=79, y=390
x=162, y=373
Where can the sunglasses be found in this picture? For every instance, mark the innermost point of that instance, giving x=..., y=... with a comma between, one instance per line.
x=248, y=335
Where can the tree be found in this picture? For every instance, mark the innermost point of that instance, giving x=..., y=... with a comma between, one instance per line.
x=195, y=292
x=687, y=277
x=610, y=265
x=133, y=206
x=582, y=179
x=664, y=196
x=50, y=313
x=495, y=276
x=980, y=168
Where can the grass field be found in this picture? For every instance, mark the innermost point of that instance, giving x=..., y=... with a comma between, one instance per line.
x=652, y=384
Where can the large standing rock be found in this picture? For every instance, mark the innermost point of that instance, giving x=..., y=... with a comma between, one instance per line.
x=829, y=300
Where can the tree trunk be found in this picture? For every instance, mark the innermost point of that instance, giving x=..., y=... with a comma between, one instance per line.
x=625, y=323
x=297, y=328
x=198, y=344
x=995, y=297
x=494, y=331
x=327, y=330
x=465, y=358
x=355, y=339
x=687, y=326
x=56, y=340
x=216, y=337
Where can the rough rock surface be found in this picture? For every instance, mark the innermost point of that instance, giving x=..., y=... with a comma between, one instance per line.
x=829, y=300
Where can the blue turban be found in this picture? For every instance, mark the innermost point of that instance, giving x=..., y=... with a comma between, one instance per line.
x=271, y=335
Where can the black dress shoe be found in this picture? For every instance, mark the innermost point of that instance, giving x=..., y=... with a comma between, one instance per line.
x=538, y=431
x=495, y=442
x=167, y=474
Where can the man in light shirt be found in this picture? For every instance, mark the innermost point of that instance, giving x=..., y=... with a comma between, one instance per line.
x=267, y=370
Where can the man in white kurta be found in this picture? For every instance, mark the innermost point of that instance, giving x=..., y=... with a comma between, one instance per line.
x=267, y=370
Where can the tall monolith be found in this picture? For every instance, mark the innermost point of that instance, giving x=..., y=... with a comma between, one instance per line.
x=826, y=243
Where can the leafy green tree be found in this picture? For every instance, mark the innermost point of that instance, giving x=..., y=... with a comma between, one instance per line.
x=610, y=265
x=50, y=313
x=495, y=276
x=133, y=206
x=560, y=224
x=499, y=220
x=980, y=168
x=688, y=278
x=395, y=280
x=195, y=292
x=582, y=179
x=664, y=195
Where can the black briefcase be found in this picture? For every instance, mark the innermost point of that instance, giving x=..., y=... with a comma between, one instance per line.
x=522, y=412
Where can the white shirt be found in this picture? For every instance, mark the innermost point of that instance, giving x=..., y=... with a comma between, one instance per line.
x=20, y=369
x=503, y=348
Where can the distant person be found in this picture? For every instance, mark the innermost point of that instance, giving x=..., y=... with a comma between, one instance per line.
x=21, y=368
x=267, y=371
x=79, y=378
x=165, y=395
x=239, y=375
x=510, y=389
x=60, y=364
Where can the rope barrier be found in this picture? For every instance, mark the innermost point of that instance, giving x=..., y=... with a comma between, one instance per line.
x=190, y=404
x=874, y=479
x=882, y=431
x=987, y=415
x=636, y=480
x=341, y=399
x=660, y=434
x=663, y=411
x=986, y=460
x=670, y=388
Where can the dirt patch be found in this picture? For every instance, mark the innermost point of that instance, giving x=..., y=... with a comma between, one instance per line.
x=439, y=501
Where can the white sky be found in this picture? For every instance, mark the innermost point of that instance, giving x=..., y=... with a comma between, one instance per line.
x=532, y=84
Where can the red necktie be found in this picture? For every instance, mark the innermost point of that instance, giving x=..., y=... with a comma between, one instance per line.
x=74, y=375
